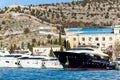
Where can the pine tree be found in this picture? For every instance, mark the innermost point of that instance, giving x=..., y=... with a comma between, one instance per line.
x=34, y=42
x=22, y=45
x=61, y=48
x=49, y=38
x=60, y=42
x=55, y=41
x=51, y=54
x=29, y=47
x=68, y=46
x=1, y=45
x=11, y=49
x=38, y=43
x=15, y=47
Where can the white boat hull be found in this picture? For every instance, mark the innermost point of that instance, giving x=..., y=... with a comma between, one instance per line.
x=9, y=62
x=117, y=65
x=30, y=63
x=52, y=65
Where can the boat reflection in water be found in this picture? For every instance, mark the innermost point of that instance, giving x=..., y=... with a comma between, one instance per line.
x=84, y=58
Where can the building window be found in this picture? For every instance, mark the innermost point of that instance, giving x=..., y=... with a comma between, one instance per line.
x=103, y=45
x=83, y=39
x=98, y=44
x=74, y=39
x=37, y=50
x=110, y=38
x=90, y=39
x=96, y=39
x=103, y=38
x=74, y=46
x=83, y=43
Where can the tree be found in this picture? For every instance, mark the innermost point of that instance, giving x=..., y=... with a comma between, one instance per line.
x=11, y=49
x=49, y=38
x=51, y=54
x=15, y=47
x=22, y=45
x=68, y=46
x=26, y=30
x=3, y=22
x=55, y=41
x=57, y=16
x=33, y=42
x=1, y=45
x=60, y=41
x=61, y=48
x=38, y=43
x=82, y=25
x=107, y=15
x=43, y=43
x=29, y=47
x=115, y=50
x=49, y=10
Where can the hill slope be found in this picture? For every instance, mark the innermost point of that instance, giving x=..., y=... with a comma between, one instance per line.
x=22, y=23
x=86, y=13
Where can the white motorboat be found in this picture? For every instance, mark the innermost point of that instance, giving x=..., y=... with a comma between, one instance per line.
x=10, y=60
x=30, y=62
x=22, y=51
x=117, y=63
x=39, y=62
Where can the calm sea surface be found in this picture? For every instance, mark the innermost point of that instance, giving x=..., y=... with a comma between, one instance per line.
x=46, y=74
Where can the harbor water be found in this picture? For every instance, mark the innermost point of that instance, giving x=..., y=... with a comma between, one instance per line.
x=49, y=74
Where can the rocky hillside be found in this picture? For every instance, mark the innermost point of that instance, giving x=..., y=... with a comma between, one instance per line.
x=20, y=24
x=18, y=29
x=85, y=13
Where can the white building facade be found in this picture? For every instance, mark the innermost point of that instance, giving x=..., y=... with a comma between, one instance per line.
x=44, y=50
x=101, y=37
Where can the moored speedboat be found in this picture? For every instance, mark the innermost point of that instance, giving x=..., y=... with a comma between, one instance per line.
x=117, y=63
x=30, y=61
x=39, y=62
x=84, y=58
x=10, y=60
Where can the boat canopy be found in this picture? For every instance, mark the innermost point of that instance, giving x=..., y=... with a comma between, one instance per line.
x=92, y=51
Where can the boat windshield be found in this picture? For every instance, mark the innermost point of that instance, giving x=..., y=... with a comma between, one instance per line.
x=31, y=58
x=12, y=56
x=82, y=49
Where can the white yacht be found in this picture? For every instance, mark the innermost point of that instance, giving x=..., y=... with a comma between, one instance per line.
x=22, y=51
x=117, y=63
x=10, y=60
x=39, y=62
x=30, y=61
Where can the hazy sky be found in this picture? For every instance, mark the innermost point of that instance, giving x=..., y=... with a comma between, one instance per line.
x=4, y=3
